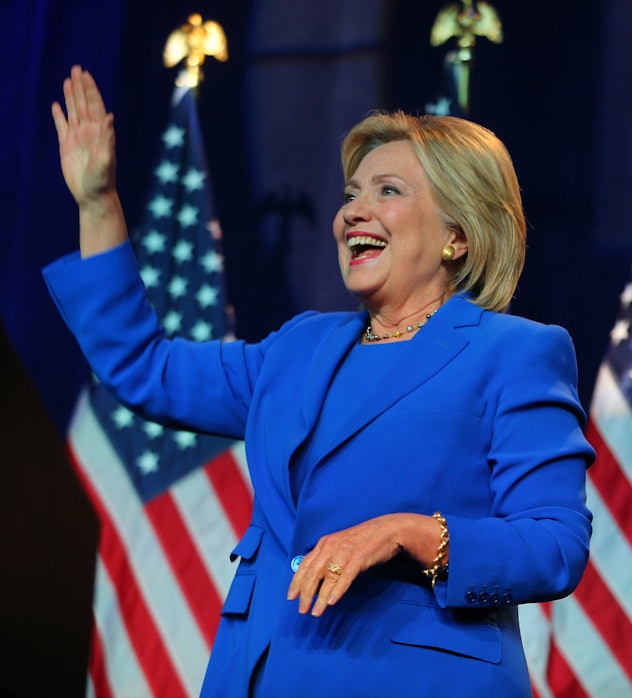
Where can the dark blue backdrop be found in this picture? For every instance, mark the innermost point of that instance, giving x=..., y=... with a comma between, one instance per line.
x=299, y=75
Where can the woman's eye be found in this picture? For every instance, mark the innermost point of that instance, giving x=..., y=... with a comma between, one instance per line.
x=388, y=189
x=347, y=197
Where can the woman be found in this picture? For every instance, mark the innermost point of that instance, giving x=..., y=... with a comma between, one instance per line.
x=431, y=475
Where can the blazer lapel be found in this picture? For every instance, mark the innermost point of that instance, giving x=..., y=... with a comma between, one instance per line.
x=324, y=364
x=421, y=357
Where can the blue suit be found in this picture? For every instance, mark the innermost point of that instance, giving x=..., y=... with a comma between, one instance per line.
x=478, y=418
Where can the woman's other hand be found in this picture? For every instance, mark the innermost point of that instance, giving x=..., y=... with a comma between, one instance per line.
x=327, y=572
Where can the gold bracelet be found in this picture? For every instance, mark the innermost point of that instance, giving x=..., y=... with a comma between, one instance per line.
x=438, y=564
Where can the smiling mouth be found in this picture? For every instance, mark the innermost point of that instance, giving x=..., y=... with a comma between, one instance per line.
x=365, y=246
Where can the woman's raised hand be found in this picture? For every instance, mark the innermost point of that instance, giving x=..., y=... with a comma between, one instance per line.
x=88, y=162
x=86, y=139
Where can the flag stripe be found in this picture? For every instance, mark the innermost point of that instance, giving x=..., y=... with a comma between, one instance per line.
x=607, y=616
x=586, y=654
x=613, y=416
x=186, y=564
x=206, y=519
x=232, y=491
x=611, y=482
x=116, y=668
x=611, y=553
x=98, y=671
x=536, y=636
x=560, y=676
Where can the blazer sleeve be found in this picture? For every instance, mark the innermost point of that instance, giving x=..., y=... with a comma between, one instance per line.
x=535, y=544
x=206, y=386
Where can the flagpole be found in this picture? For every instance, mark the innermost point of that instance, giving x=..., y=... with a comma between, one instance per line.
x=465, y=24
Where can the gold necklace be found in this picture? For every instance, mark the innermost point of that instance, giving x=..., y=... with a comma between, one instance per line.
x=370, y=336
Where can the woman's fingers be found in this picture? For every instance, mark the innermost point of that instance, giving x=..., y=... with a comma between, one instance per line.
x=317, y=578
x=94, y=102
x=69, y=99
x=83, y=99
x=326, y=573
x=80, y=109
x=61, y=125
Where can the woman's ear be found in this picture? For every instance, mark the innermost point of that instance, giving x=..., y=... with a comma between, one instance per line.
x=459, y=242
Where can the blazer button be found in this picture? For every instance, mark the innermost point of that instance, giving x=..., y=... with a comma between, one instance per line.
x=296, y=561
x=483, y=598
x=471, y=596
x=494, y=599
x=507, y=599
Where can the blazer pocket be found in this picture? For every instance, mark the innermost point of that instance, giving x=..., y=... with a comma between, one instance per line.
x=441, y=629
x=239, y=595
x=249, y=544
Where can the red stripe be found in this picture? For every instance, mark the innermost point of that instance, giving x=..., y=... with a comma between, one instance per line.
x=232, y=491
x=193, y=578
x=560, y=677
x=610, y=481
x=144, y=636
x=98, y=671
x=607, y=616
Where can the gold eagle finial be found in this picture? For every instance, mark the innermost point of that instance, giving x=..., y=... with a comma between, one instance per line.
x=465, y=24
x=194, y=41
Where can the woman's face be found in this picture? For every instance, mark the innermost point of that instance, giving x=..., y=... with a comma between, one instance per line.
x=390, y=233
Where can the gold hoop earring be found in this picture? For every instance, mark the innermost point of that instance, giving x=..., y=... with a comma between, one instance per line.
x=447, y=253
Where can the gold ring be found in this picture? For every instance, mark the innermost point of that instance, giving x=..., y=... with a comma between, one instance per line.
x=336, y=569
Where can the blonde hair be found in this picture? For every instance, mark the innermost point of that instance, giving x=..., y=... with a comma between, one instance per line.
x=475, y=187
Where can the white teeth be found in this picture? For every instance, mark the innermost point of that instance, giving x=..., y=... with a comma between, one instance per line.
x=365, y=240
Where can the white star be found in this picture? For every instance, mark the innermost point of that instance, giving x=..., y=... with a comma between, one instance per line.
x=150, y=276
x=620, y=332
x=122, y=417
x=167, y=172
x=193, y=180
x=153, y=430
x=178, y=287
x=173, y=136
x=148, y=462
x=626, y=296
x=172, y=322
x=183, y=251
x=185, y=439
x=160, y=207
x=188, y=216
x=201, y=331
x=154, y=242
x=212, y=262
x=207, y=295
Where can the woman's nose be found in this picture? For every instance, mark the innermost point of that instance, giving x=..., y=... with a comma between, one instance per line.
x=356, y=210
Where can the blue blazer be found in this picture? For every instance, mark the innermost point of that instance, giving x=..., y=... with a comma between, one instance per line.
x=479, y=419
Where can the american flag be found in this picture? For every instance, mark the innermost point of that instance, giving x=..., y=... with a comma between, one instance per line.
x=582, y=645
x=172, y=504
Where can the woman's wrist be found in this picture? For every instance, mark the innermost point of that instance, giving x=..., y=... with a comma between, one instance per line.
x=102, y=223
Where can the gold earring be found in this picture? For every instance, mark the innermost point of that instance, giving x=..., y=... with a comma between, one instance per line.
x=447, y=253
